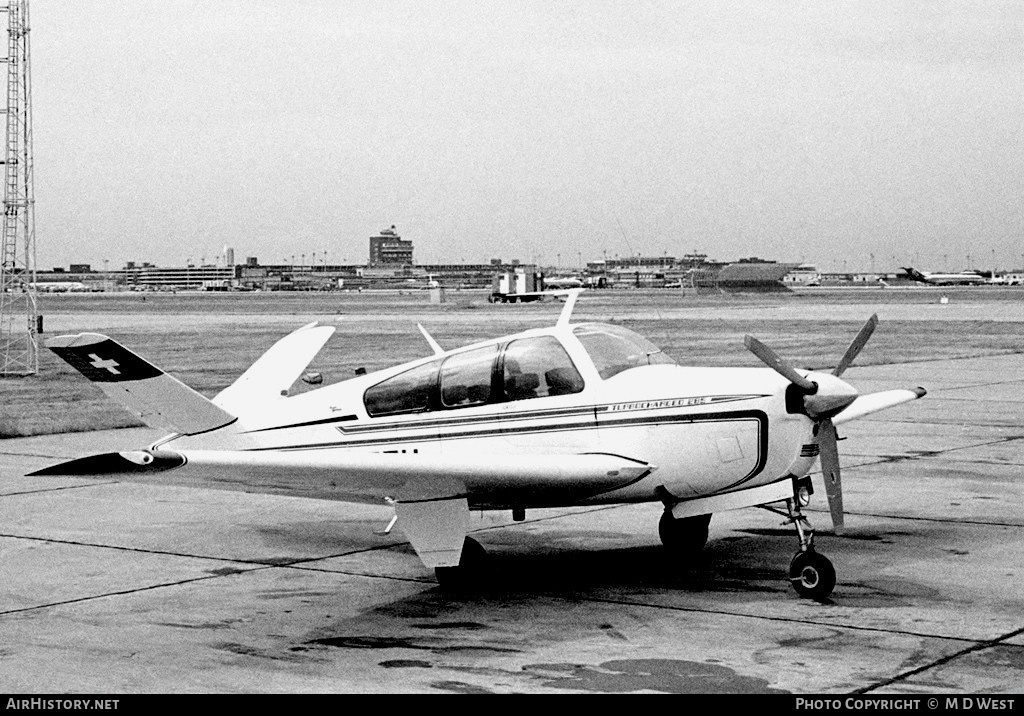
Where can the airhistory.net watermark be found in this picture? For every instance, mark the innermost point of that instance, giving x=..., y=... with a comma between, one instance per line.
x=41, y=704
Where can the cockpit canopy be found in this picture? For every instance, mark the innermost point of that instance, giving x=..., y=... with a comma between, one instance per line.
x=531, y=367
x=520, y=369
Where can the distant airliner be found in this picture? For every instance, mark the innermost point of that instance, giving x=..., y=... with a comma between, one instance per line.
x=59, y=286
x=562, y=282
x=963, y=278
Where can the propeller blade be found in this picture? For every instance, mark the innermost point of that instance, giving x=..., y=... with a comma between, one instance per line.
x=829, y=456
x=857, y=345
x=776, y=363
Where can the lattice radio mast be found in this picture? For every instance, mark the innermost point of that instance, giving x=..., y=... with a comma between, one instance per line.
x=19, y=340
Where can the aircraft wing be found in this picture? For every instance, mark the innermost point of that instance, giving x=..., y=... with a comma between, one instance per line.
x=873, y=402
x=488, y=480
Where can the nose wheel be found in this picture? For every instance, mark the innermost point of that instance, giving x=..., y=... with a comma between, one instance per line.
x=812, y=575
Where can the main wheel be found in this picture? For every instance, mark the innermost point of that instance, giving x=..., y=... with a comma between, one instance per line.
x=685, y=535
x=812, y=575
x=460, y=578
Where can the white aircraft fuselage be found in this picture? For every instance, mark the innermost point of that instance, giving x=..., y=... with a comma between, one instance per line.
x=707, y=430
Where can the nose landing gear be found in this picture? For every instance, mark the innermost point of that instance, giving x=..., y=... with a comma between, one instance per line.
x=811, y=574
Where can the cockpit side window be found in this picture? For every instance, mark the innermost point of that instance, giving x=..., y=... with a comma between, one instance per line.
x=466, y=378
x=538, y=367
x=408, y=392
x=529, y=368
x=615, y=349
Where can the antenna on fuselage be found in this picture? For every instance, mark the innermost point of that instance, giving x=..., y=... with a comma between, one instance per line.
x=438, y=350
x=570, y=302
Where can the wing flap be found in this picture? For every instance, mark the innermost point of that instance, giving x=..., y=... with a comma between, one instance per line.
x=520, y=480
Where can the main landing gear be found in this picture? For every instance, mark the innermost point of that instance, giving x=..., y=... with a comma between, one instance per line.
x=460, y=578
x=685, y=536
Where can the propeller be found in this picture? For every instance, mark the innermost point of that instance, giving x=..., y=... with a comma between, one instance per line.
x=828, y=454
x=823, y=397
x=780, y=366
x=858, y=343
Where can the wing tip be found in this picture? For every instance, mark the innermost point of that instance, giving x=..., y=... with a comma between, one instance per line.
x=113, y=464
x=75, y=340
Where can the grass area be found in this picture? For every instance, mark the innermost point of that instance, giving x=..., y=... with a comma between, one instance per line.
x=207, y=340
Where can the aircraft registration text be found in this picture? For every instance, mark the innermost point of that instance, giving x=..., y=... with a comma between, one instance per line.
x=674, y=402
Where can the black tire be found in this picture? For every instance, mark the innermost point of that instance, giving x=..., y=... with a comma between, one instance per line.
x=812, y=575
x=473, y=555
x=686, y=535
x=463, y=577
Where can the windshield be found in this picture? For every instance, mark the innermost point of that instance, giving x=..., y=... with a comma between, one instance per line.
x=615, y=349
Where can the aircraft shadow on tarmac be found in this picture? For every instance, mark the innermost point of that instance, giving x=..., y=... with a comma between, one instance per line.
x=553, y=571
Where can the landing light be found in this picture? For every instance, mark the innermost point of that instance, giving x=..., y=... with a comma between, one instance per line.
x=803, y=495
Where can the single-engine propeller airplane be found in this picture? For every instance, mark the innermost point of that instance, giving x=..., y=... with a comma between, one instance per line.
x=572, y=414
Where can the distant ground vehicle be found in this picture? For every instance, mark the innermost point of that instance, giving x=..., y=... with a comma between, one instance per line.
x=519, y=286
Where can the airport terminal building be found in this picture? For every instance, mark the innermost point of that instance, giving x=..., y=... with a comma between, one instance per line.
x=390, y=264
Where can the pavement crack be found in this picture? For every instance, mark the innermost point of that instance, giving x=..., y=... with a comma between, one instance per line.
x=980, y=646
x=787, y=620
x=57, y=489
x=105, y=595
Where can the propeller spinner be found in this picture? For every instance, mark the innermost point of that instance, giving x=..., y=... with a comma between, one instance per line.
x=825, y=396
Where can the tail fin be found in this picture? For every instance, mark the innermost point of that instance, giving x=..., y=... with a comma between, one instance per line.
x=274, y=372
x=915, y=274
x=158, y=399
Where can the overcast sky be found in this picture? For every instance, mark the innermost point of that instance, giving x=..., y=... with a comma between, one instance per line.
x=859, y=135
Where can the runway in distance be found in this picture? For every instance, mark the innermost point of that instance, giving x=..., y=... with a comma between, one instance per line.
x=572, y=414
x=962, y=278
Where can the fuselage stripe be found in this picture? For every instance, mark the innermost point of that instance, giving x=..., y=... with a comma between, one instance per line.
x=441, y=419
x=541, y=429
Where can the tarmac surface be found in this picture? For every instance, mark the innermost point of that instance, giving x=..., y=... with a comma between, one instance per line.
x=110, y=587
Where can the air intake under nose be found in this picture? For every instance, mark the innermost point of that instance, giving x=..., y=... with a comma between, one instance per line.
x=809, y=450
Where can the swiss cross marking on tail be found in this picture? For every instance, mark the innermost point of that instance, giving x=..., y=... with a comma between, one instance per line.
x=110, y=364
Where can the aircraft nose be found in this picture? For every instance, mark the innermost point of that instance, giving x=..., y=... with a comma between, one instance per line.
x=832, y=396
